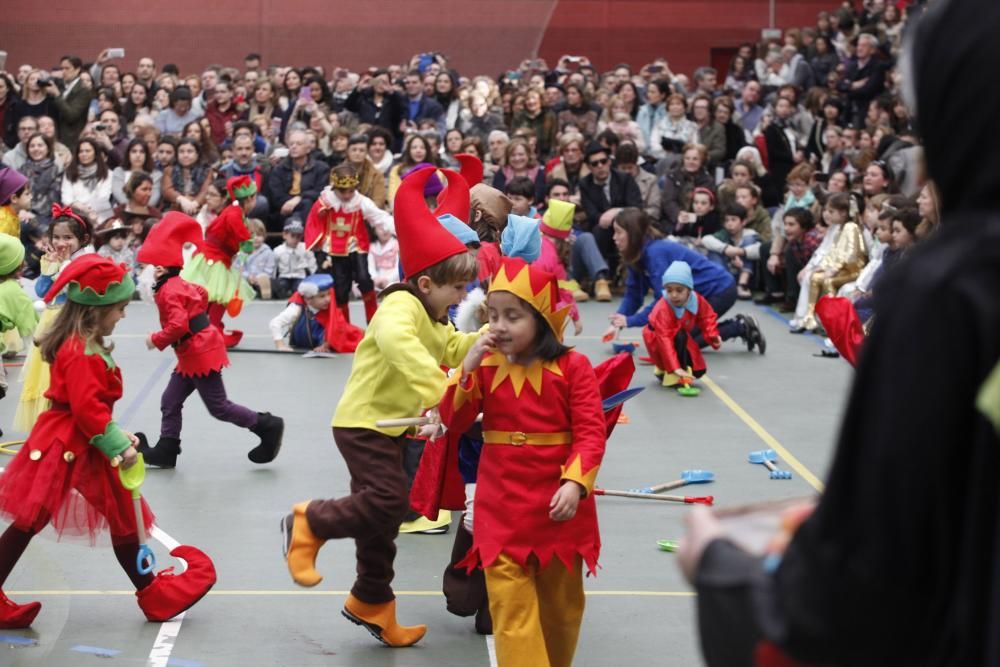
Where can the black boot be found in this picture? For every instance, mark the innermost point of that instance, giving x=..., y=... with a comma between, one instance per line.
x=270, y=429
x=164, y=455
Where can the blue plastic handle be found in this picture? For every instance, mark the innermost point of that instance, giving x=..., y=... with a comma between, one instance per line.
x=145, y=554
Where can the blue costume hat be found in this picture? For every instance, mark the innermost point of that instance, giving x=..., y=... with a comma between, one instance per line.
x=314, y=284
x=679, y=273
x=459, y=229
x=521, y=238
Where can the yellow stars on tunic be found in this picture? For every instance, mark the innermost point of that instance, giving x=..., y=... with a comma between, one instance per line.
x=518, y=374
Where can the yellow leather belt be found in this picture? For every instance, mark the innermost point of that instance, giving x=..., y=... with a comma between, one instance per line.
x=518, y=438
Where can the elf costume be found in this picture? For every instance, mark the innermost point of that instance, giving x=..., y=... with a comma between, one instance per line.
x=669, y=335
x=396, y=373
x=18, y=318
x=201, y=351
x=63, y=474
x=212, y=266
x=542, y=426
x=340, y=229
x=308, y=328
x=11, y=180
x=35, y=374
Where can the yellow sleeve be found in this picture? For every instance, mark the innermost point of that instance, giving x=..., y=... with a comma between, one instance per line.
x=396, y=332
x=457, y=347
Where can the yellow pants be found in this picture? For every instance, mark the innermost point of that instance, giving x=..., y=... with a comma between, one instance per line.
x=536, y=612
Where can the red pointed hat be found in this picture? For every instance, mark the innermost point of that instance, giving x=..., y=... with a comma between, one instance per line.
x=472, y=168
x=93, y=280
x=423, y=241
x=459, y=205
x=165, y=243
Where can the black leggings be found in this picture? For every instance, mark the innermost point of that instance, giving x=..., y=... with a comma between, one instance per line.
x=349, y=270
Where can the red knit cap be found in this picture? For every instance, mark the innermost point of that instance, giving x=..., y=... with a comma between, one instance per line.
x=165, y=243
x=423, y=241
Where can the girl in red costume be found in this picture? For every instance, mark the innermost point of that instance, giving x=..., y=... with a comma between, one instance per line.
x=201, y=353
x=535, y=522
x=212, y=266
x=64, y=473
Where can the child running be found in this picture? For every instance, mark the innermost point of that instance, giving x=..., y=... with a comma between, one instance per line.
x=396, y=373
x=535, y=521
x=64, y=473
x=201, y=352
x=669, y=335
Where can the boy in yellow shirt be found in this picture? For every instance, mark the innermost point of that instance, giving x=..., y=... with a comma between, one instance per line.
x=396, y=373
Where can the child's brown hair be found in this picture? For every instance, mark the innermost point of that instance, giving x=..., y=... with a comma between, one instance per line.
x=74, y=319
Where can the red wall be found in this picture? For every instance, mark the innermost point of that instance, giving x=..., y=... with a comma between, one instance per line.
x=481, y=36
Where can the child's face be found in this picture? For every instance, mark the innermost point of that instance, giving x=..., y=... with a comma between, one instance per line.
x=733, y=224
x=834, y=216
x=883, y=231
x=441, y=297
x=258, y=241
x=677, y=295
x=291, y=238
x=701, y=204
x=870, y=217
x=745, y=198
x=798, y=188
x=345, y=195
x=521, y=204
x=22, y=202
x=319, y=302
x=111, y=316
x=901, y=237
x=793, y=230
x=383, y=234
x=339, y=144
x=63, y=239
x=514, y=325
x=117, y=242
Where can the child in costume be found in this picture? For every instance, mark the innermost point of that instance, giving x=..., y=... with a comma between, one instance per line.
x=18, y=317
x=310, y=323
x=535, y=520
x=556, y=251
x=338, y=226
x=396, y=373
x=64, y=473
x=200, y=349
x=69, y=238
x=383, y=258
x=669, y=335
x=213, y=267
x=15, y=196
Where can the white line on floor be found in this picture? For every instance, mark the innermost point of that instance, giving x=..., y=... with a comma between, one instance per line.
x=163, y=645
x=491, y=649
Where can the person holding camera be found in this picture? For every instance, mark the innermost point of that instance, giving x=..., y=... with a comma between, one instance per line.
x=107, y=133
x=73, y=101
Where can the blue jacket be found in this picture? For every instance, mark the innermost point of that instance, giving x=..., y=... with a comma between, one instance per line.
x=709, y=278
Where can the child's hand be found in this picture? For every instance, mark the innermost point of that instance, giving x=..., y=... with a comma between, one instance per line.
x=325, y=347
x=282, y=345
x=737, y=262
x=682, y=373
x=577, y=327
x=478, y=350
x=129, y=456
x=149, y=342
x=773, y=263
x=618, y=320
x=731, y=251
x=563, y=505
x=715, y=342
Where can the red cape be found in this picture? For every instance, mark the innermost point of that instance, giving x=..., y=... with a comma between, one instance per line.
x=842, y=326
x=341, y=335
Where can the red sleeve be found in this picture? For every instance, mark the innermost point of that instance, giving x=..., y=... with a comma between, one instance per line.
x=587, y=423
x=707, y=322
x=462, y=401
x=86, y=381
x=174, y=315
x=665, y=327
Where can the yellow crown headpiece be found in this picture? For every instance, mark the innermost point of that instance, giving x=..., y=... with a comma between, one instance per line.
x=345, y=182
x=539, y=288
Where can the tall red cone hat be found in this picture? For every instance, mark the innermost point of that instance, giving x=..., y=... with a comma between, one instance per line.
x=423, y=241
x=164, y=246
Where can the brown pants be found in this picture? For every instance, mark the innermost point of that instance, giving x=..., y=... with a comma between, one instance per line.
x=372, y=513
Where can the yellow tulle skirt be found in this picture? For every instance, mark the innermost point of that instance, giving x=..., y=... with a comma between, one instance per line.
x=35, y=377
x=13, y=344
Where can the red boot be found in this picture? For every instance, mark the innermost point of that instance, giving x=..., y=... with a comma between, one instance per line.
x=232, y=337
x=371, y=305
x=15, y=616
x=345, y=311
x=170, y=594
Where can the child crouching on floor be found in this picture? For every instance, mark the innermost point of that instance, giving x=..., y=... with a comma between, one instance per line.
x=310, y=324
x=669, y=336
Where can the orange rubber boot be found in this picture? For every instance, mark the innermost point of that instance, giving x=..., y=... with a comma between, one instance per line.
x=380, y=621
x=301, y=547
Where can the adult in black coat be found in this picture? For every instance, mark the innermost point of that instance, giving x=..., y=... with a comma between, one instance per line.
x=780, y=149
x=603, y=192
x=313, y=177
x=899, y=564
x=865, y=79
x=378, y=104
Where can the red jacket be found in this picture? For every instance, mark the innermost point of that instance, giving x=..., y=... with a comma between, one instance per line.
x=225, y=234
x=331, y=230
x=664, y=325
x=179, y=302
x=518, y=471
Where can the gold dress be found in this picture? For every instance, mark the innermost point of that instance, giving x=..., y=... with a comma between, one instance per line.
x=840, y=266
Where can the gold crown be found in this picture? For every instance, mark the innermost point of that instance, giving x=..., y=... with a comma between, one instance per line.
x=542, y=296
x=347, y=182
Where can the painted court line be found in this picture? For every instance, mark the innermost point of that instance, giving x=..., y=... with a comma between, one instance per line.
x=762, y=433
x=297, y=593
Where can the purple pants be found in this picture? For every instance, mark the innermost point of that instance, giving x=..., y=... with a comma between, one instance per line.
x=213, y=394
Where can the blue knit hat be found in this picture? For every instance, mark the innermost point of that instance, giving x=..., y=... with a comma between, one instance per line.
x=314, y=284
x=521, y=238
x=678, y=273
x=459, y=229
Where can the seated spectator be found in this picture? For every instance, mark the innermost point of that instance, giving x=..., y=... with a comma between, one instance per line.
x=478, y=120
x=260, y=265
x=221, y=111
x=579, y=112
x=383, y=258
x=626, y=160
x=138, y=190
x=87, y=182
x=296, y=181
x=603, y=193
x=674, y=131
x=519, y=161
x=540, y=120
x=680, y=184
x=653, y=112
x=724, y=248
x=198, y=131
x=173, y=119
x=735, y=138
x=292, y=259
x=185, y=183
x=521, y=192
x=15, y=159
x=45, y=176
x=137, y=158
x=416, y=151
x=379, y=145
x=617, y=119
x=245, y=163
x=709, y=133
x=111, y=241
x=571, y=167
x=216, y=200
x=110, y=136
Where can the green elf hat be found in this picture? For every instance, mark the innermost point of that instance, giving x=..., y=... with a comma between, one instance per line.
x=11, y=254
x=93, y=280
x=241, y=187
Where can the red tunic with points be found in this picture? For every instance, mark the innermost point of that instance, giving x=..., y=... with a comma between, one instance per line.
x=557, y=400
x=179, y=301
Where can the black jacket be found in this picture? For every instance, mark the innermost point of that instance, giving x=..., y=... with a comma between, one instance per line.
x=624, y=193
x=389, y=115
x=315, y=177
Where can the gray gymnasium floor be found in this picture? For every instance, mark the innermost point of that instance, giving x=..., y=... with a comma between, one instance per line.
x=639, y=608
